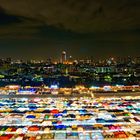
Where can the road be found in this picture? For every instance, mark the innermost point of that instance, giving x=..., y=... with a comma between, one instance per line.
x=117, y=94
x=43, y=96
x=97, y=95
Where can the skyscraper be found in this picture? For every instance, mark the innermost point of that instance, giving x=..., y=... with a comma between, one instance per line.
x=63, y=57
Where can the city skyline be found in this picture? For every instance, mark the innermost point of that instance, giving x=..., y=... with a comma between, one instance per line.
x=65, y=57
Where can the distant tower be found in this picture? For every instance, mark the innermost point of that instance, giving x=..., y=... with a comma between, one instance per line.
x=70, y=59
x=63, y=57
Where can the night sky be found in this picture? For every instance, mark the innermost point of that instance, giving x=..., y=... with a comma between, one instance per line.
x=38, y=29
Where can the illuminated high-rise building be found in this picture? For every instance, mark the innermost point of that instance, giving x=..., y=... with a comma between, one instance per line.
x=70, y=58
x=63, y=57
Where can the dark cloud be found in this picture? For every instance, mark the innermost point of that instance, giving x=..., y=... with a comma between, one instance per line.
x=6, y=19
x=16, y=26
x=96, y=28
x=79, y=15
